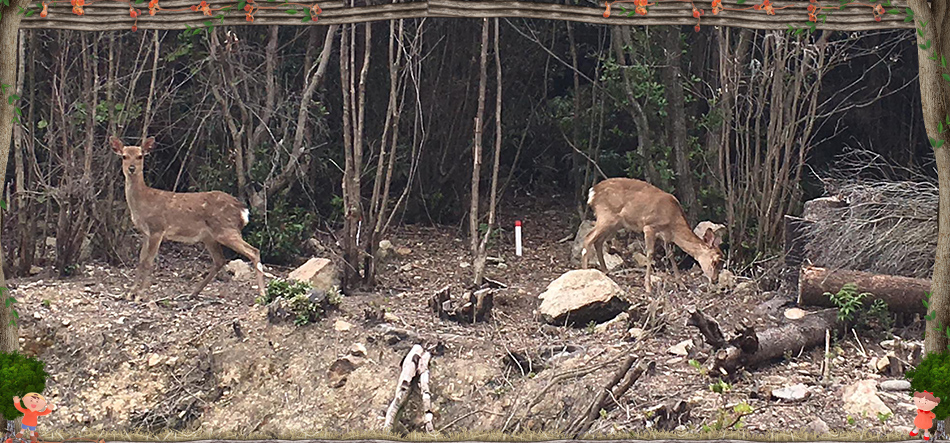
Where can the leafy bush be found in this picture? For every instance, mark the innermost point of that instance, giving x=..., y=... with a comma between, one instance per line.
x=280, y=234
x=19, y=375
x=851, y=308
x=933, y=375
x=305, y=303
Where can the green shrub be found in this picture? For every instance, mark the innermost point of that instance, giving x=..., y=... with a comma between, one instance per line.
x=305, y=304
x=280, y=234
x=851, y=308
x=19, y=375
x=933, y=375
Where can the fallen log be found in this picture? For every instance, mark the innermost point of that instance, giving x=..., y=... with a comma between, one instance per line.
x=749, y=349
x=902, y=294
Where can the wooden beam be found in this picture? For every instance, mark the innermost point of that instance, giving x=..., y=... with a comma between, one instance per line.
x=112, y=15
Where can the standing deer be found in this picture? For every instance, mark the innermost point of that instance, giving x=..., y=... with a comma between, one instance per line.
x=639, y=206
x=213, y=218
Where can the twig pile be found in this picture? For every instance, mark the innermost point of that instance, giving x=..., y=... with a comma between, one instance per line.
x=887, y=227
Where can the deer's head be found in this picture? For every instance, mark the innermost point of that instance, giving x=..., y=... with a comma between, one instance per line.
x=132, y=156
x=710, y=259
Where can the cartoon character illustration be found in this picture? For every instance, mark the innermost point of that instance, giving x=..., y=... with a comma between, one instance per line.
x=36, y=406
x=925, y=402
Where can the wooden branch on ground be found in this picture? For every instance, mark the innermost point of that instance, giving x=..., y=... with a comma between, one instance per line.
x=749, y=349
x=708, y=326
x=668, y=13
x=902, y=294
x=621, y=382
x=415, y=363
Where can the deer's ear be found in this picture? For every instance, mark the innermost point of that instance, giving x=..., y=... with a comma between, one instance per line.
x=116, y=144
x=147, y=145
x=709, y=237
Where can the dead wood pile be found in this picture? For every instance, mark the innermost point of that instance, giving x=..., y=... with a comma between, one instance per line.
x=885, y=227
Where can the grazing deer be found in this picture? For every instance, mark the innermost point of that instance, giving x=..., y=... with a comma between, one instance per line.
x=639, y=206
x=213, y=218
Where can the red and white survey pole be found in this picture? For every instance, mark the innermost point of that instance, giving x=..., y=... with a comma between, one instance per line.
x=518, y=238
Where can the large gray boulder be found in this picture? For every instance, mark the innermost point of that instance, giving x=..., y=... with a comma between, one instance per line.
x=581, y=296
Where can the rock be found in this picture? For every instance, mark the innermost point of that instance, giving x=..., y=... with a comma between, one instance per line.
x=817, y=427
x=578, y=245
x=342, y=326
x=503, y=266
x=792, y=393
x=861, y=400
x=358, y=350
x=464, y=264
x=319, y=272
x=403, y=251
x=340, y=369
x=682, y=348
x=639, y=259
x=51, y=242
x=154, y=359
x=581, y=296
x=385, y=250
x=895, y=385
x=35, y=270
x=619, y=320
x=240, y=270
x=314, y=246
x=882, y=364
x=636, y=333
x=745, y=288
x=390, y=317
x=727, y=279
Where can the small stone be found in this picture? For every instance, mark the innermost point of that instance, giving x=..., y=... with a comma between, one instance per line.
x=342, y=326
x=895, y=385
x=636, y=333
x=882, y=364
x=358, y=350
x=154, y=359
x=860, y=399
x=817, y=427
x=35, y=270
x=389, y=317
x=502, y=266
x=464, y=264
x=681, y=348
x=674, y=361
x=403, y=251
x=792, y=393
x=727, y=279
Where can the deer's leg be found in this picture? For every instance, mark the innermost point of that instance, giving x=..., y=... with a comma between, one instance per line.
x=668, y=245
x=147, y=261
x=649, y=241
x=595, y=238
x=218, y=256
x=234, y=241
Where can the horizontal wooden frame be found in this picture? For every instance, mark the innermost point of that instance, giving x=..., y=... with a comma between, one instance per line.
x=111, y=15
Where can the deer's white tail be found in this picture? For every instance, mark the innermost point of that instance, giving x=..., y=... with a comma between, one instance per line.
x=245, y=215
x=590, y=196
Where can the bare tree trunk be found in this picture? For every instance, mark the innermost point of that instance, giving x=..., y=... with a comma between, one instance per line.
x=676, y=108
x=151, y=87
x=9, y=25
x=935, y=101
x=477, y=146
x=577, y=161
x=482, y=248
x=21, y=206
x=621, y=39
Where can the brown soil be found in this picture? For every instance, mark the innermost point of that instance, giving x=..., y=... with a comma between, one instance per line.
x=217, y=364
